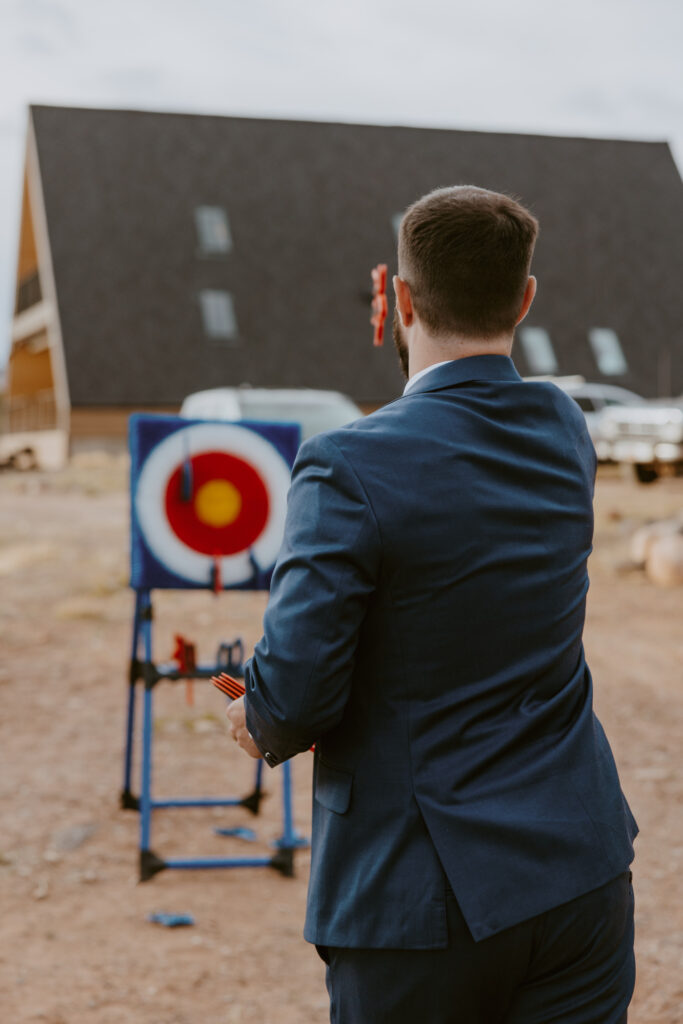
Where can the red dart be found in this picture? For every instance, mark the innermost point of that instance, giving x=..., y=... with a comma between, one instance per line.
x=379, y=301
x=232, y=688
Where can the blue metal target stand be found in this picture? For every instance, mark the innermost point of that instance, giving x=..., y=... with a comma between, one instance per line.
x=172, y=459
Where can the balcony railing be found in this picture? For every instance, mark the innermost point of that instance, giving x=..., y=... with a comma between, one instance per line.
x=29, y=412
x=28, y=293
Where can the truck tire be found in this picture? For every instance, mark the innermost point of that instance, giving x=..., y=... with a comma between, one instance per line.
x=645, y=474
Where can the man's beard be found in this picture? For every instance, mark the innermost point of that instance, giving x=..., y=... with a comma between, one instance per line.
x=400, y=343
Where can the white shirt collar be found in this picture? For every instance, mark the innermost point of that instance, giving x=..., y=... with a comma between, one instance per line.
x=421, y=373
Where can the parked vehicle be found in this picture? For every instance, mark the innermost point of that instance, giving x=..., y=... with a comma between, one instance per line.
x=649, y=436
x=594, y=400
x=315, y=411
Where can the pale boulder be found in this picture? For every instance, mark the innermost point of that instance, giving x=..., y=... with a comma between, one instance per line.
x=664, y=564
x=644, y=538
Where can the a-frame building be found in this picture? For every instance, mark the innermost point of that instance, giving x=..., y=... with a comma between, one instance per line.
x=167, y=253
x=36, y=400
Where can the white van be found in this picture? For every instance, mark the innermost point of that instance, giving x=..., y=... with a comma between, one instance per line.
x=315, y=411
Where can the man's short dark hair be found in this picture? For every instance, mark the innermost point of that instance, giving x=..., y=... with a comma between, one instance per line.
x=465, y=252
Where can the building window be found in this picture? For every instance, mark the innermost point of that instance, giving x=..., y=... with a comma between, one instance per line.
x=213, y=230
x=607, y=351
x=538, y=350
x=28, y=293
x=218, y=315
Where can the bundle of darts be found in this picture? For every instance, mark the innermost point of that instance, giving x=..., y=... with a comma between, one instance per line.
x=232, y=688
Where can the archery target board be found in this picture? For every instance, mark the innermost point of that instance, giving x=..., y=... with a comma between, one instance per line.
x=207, y=495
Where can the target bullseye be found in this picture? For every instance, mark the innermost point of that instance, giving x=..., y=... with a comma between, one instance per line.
x=217, y=503
x=213, y=491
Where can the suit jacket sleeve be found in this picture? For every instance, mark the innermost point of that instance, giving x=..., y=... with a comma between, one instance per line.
x=298, y=681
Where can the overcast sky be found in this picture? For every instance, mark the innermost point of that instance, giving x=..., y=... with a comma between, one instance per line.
x=586, y=67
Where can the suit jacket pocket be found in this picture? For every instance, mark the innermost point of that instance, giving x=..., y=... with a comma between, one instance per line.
x=333, y=787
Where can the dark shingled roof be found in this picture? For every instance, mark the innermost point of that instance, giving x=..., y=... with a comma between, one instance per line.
x=310, y=207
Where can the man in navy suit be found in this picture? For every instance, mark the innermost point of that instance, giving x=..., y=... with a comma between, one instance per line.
x=471, y=842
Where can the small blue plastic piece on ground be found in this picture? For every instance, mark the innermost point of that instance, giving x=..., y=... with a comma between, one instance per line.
x=171, y=920
x=239, y=833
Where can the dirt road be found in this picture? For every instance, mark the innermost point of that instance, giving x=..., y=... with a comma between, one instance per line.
x=75, y=943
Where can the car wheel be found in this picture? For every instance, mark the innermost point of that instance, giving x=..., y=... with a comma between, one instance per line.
x=645, y=474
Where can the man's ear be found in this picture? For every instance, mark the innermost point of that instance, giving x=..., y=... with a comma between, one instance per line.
x=404, y=302
x=529, y=293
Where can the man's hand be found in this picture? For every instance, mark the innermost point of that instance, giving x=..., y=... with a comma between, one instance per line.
x=237, y=718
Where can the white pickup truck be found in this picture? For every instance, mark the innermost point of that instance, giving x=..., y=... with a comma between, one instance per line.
x=649, y=436
x=594, y=399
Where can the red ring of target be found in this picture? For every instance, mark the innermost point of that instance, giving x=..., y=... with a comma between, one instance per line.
x=208, y=468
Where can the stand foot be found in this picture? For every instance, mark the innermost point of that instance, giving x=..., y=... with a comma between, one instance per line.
x=253, y=801
x=297, y=842
x=129, y=802
x=283, y=861
x=150, y=865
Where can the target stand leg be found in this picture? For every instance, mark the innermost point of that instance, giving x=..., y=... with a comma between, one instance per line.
x=290, y=840
x=252, y=802
x=127, y=800
x=150, y=864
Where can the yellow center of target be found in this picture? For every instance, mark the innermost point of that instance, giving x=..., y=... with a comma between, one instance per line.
x=218, y=503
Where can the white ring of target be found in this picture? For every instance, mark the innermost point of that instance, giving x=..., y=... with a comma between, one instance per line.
x=150, y=503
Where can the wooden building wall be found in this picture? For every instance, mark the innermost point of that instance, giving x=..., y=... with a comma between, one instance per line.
x=30, y=366
x=30, y=398
x=107, y=425
x=27, y=263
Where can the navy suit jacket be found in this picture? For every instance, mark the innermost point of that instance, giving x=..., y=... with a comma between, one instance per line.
x=424, y=629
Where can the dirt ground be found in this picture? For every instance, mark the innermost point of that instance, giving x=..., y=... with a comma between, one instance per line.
x=75, y=942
